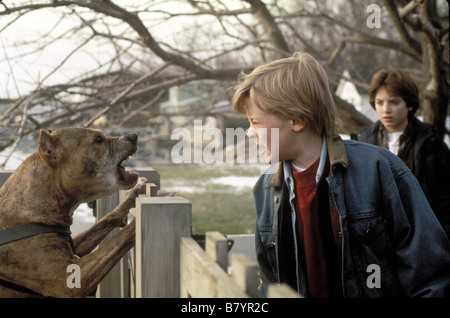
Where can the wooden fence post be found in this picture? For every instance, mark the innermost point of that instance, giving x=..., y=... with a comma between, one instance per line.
x=216, y=246
x=128, y=264
x=245, y=273
x=110, y=286
x=160, y=224
x=116, y=283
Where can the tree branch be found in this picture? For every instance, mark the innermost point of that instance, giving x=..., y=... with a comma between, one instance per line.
x=270, y=26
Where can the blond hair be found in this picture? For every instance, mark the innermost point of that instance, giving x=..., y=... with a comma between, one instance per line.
x=290, y=88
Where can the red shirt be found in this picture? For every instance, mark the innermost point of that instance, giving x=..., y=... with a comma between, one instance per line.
x=308, y=232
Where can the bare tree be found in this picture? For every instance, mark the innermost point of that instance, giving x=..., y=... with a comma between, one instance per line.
x=136, y=58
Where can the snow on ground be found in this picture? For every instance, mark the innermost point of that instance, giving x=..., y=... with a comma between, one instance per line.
x=83, y=218
x=236, y=181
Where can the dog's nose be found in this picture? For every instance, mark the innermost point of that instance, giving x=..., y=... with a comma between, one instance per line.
x=132, y=137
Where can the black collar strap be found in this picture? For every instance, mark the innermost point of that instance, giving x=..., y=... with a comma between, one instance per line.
x=23, y=231
x=29, y=229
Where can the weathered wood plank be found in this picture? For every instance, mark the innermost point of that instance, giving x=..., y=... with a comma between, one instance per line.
x=117, y=283
x=202, y=277
x=245, y=272
x=281, y=291
x=216, y=247
x=160, y=223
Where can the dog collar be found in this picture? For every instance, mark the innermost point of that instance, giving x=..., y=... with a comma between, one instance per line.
x=28, y=230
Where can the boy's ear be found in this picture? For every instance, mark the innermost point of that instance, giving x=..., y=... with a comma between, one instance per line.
x=49, y=148
x=297, y=125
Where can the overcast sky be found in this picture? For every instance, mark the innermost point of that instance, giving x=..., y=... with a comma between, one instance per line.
x=23, y=67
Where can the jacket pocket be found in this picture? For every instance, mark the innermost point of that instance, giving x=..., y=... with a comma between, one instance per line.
x=368, y=238
x=366, y=226
x=371, y=247
x=269, y=244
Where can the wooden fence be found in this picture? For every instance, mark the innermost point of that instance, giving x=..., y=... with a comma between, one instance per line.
x=205, y=272
x=168, y=260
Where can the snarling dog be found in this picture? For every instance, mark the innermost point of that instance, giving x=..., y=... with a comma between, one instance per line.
x=71, y=166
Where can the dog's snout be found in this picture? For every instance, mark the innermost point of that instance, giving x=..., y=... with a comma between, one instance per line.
x=131, y=137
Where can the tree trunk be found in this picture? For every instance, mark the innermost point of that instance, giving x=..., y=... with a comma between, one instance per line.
x=435, y=99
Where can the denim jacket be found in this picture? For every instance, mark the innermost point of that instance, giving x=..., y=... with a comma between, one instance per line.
x=387, y=227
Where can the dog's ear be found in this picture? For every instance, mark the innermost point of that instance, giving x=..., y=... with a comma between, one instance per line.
x=49, y=148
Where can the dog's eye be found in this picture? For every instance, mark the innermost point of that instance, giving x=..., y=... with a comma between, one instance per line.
x=98, y=140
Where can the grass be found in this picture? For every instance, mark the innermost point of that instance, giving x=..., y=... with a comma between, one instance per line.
x=221, y=195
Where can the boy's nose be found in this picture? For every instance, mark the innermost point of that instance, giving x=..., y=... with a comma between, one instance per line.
x=251, y=133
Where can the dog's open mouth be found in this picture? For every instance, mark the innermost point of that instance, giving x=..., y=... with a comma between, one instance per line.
x=126, y=178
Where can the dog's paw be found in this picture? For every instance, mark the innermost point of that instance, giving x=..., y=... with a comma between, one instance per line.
x=141, y=183
x=139, y=188
x=133, y=193
x=142, y=180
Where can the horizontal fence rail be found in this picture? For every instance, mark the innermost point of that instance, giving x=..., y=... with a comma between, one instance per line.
x=204, y=272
